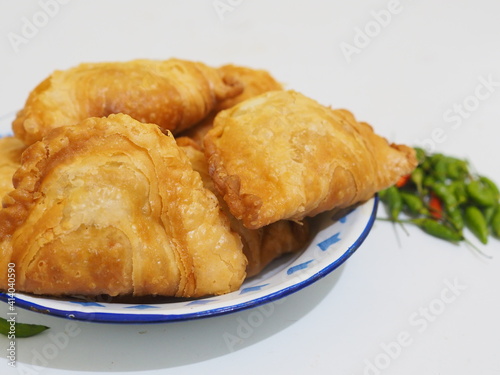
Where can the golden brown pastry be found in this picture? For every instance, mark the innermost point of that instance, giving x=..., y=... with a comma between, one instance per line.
x=112, y=206
x=260, y=246
x=197, y=133
x=281, y=155
x=174, y=94
x=11, y=150
x=254, y=82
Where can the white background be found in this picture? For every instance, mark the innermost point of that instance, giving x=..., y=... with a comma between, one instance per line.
x=412, y=71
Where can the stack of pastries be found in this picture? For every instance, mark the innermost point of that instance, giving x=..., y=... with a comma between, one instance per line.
x=173, y=178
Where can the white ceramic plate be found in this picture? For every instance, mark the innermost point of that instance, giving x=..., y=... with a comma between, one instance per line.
x=335, y=240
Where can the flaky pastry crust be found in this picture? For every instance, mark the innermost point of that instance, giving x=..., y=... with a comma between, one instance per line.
x=11, y=150
x=174, y=94
x=254, y=82
x=112, y=206
x=281, y=155
x=260, y=246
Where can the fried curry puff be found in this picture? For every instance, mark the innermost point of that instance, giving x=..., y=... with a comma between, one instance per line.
x=174, y=94
x=260, y=246
x=281, y=155
x=10, y=158
x=98, y=198
x=112, y=206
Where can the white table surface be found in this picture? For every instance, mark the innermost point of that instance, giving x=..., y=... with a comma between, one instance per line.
x=401, y=304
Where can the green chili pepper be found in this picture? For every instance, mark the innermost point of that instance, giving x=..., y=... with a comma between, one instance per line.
x=437, y=229
x=465, y=199
x=435, y=158
x=20, y=329
x=481, y=193
x=459, y=190
x=421, y=155
x=428, y=181
x=454, y=216
x=444, y=193
x=476, y=222
x=495, y=223
x=414, y=203
x=491, y=185
x=489, y=212
x=451, y=206
x=456, y=169
x=440, y=168
x=382, y=194
x=426, y=165
x=417, y=177
x=392, y=198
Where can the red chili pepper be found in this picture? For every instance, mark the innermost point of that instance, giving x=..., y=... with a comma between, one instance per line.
x=435, y=207
x=403, y=180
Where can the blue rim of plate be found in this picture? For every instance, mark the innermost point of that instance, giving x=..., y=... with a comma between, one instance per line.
x=96, y=311
x=335, y=240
